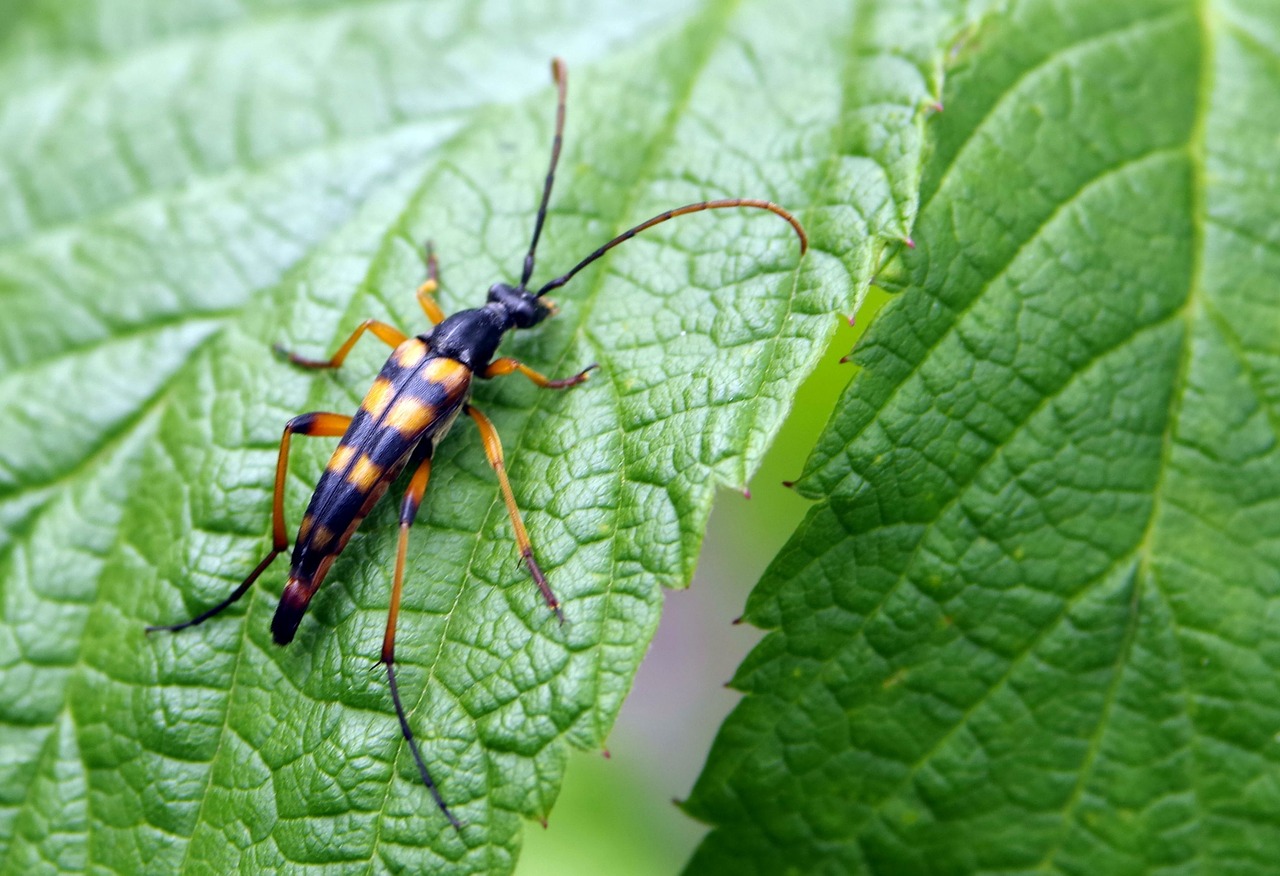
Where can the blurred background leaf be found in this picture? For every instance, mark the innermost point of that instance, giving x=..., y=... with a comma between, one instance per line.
x=1030, y=626
x=181, y=185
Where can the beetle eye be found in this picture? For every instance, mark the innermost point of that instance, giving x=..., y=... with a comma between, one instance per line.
x=525, y=312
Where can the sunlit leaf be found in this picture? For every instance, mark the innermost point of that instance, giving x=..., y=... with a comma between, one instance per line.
x=182, y=185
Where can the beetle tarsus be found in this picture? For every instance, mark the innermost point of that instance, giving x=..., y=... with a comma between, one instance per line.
x=580, y=377
x=541, y=580
x=224, y=604
x=417, y=755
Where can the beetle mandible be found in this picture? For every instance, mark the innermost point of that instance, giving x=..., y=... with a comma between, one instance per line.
x=420, y=391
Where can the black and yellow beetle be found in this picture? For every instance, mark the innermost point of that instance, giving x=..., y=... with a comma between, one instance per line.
x=420, y=391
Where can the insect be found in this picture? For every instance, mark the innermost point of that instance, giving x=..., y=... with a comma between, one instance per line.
x=415, y=399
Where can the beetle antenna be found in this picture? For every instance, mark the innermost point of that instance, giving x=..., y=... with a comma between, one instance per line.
x=671, y=214
x=561, y=77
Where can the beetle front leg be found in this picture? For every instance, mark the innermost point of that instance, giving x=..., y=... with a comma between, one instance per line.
x=507, y=365
x=427, y=291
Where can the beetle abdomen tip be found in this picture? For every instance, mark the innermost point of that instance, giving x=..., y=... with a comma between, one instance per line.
x=293, y=605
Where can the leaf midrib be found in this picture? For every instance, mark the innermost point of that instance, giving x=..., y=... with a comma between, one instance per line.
x=1191, y=310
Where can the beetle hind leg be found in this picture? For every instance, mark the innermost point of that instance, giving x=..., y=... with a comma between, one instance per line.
x=493, y=450
x=317, y=424
x=408, y=512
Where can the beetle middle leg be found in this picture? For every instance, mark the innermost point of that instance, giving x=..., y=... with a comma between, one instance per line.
x=493, y=450
x=317, y=424
x=408, y=512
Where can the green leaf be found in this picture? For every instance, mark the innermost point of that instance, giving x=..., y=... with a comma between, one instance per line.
x=1030, y=626
x=182, y=185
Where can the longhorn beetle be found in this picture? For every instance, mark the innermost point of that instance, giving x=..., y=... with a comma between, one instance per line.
x=414, y=401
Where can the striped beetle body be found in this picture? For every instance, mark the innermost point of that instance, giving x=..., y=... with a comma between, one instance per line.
x=410, y=407
x=420, y=391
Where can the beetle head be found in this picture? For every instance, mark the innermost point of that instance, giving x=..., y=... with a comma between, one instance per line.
x=522, y=307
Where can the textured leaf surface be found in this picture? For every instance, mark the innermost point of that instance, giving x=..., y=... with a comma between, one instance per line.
x=182, y=185
x=1031, y=625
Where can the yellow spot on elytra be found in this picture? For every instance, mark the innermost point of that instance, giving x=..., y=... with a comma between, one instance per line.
x=305, y=527
x=341, y=458
x=322, y=536
x=409, y=416
x=375, y=400
x=410, y=353
x=445, y=371
x=365, y=473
